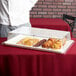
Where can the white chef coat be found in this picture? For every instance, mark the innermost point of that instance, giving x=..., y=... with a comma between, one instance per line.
x=15, y=12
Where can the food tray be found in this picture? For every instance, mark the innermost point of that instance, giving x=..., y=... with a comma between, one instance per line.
x=13, y=42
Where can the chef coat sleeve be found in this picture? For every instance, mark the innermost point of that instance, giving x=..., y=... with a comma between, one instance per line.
x=32, y=3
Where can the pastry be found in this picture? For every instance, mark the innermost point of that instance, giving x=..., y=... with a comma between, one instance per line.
x=31, y=42
x=22, y=41
x=47, y=44
x=28, y=41
x=52, y=43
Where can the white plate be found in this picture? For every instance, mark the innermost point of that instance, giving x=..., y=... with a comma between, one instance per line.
x=13, y=42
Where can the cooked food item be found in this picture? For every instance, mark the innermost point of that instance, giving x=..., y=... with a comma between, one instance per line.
x=22, y=41
x=53, y=43
x=28, y=41
x=40, y=43
x=31, y=42
x=57, y=45
x=47, y=44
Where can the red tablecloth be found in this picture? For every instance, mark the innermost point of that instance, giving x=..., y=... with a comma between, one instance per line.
x=50, y=23
x=24, y=62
